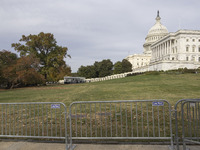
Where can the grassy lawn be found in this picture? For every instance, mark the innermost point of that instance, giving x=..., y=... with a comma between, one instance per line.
x=171, y=87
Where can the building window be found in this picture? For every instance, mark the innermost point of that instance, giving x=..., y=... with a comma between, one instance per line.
x=187, y=40
x=193, y=49
x=199, y=49
x=187, y=58
x=199, y=59
x=172, y=58
x=193, y=40
x=187, y=49
x=199, y=40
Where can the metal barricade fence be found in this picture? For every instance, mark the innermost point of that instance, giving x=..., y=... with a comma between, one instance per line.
x=102, y=120
x=187, y=121
x=127, y=119
x=42, y=120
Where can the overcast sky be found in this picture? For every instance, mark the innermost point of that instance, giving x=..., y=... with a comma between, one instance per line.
x=94, y=30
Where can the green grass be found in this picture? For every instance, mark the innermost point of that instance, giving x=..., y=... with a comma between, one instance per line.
x=164, y=86
x=171, y=87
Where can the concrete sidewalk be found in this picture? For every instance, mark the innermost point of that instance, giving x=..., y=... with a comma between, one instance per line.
x=61, y=146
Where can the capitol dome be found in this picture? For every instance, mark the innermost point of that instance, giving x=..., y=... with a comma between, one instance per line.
x=155, y=33
x=158, y=28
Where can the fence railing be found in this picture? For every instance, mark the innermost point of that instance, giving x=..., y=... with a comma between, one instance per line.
x=102, y=120
x=127, y=119
x=40, y=120
x=187, y=120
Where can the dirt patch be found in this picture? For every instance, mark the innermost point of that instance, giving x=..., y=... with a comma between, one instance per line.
x=38, y=88
x=2, y=90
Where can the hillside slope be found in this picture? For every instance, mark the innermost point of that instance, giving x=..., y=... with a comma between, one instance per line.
x=171, y=87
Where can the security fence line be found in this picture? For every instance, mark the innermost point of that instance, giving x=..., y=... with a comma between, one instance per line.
x=41, y=120
x=127, y=119
x=189, y=121
x=103, y=120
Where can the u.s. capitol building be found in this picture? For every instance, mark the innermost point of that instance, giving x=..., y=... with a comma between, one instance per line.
x=167, y=51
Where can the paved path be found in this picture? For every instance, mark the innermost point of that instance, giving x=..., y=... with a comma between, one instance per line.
x=58, y=146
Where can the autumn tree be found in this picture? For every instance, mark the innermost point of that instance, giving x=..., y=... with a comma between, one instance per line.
x=27, y=68
x=58, y=73
x=7, y=72
x=44, y=47
x=17, y=72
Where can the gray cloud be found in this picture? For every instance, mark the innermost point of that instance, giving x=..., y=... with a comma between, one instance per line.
x=94, y=30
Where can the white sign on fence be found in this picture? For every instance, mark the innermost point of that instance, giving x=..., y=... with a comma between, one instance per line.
x=157, y=103
x=55, y=106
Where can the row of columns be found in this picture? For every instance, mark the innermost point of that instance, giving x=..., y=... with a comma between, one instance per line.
x=162, y=49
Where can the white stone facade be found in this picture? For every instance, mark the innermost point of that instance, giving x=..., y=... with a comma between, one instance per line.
x=139, y=60
x=167, y=51
x=176, y=50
